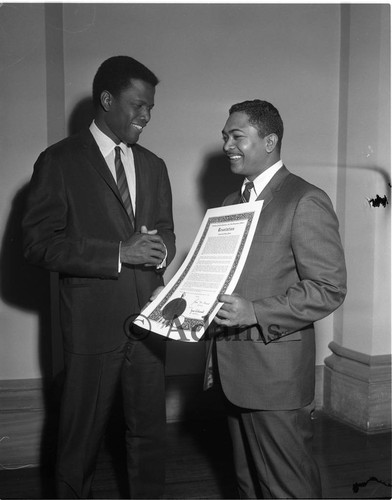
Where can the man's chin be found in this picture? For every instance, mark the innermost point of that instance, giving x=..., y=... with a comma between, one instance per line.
x=132, y=139
x=236, y=169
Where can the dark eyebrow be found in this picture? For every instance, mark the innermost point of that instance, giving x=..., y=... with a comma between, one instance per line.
x=233, y=130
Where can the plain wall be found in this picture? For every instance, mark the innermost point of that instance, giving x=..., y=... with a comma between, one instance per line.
x=364, y=324
x=207, y=57
x=23, y=134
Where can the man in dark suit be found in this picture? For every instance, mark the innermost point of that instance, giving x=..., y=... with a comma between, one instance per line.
x=263, y=354
x=99, y=212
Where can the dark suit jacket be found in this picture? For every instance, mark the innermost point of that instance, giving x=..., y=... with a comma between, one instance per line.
x=295, y=274
x=74, y=222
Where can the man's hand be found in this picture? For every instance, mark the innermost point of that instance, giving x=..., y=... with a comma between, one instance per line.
x=145, y=248
x=236, y=311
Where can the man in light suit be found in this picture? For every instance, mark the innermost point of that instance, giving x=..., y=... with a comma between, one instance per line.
x=99, y=212
x=263, y=352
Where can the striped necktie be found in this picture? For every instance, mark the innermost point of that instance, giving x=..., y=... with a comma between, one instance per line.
x=123, y=185
x=246, y=194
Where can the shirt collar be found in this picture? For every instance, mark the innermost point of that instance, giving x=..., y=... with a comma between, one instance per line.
x=105, y=143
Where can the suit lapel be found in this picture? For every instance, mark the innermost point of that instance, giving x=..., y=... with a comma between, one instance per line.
x=274, y=185
x=144, y=181
x=140, y=181
x=97, y=161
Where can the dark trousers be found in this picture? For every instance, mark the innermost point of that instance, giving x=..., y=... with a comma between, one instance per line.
x=273, y=453
x=91, y=383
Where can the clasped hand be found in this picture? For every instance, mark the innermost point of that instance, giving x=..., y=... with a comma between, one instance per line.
x=145, y=248
x=235, y=311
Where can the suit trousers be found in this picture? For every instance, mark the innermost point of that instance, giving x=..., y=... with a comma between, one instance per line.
x=91, y=384
x=273, y=453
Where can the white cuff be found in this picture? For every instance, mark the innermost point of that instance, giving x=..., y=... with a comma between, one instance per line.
x=163, y=263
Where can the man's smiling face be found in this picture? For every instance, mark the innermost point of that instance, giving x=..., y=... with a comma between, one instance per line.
x=244, y=147
x=128, y=112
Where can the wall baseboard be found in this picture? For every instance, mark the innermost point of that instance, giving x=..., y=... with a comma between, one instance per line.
x=357, y=389
x=28, y=426
x=22, y=417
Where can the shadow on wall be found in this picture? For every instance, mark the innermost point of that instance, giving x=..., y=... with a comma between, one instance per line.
x=81, y=116
x=216, y=180
x=22, y=285
x=27, y=288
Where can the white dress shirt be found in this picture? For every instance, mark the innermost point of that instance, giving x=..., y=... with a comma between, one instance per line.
x=262, y=180
x=106, y=146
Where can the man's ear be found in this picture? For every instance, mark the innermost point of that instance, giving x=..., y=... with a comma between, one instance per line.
x=106, y=100
x=271, y=142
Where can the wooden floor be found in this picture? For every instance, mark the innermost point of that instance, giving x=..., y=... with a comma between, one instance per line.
x=352, y=464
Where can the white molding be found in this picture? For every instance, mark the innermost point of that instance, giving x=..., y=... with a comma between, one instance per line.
x=357, y=388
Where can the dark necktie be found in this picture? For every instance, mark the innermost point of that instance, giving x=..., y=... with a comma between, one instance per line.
x=246, y=194
x=123, y=185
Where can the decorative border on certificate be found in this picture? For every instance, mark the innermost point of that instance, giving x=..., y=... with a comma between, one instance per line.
x=186, y=306
x=191, y=323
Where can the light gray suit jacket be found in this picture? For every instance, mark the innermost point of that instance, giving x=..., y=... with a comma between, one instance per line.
x=295, y=274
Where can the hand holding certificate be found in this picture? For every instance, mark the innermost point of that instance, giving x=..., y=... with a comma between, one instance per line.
x=186, y=306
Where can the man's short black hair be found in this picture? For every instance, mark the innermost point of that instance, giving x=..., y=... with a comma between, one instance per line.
x=262, y=115
x=115, y=74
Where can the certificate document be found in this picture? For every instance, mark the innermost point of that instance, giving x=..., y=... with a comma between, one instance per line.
x=186, y=306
